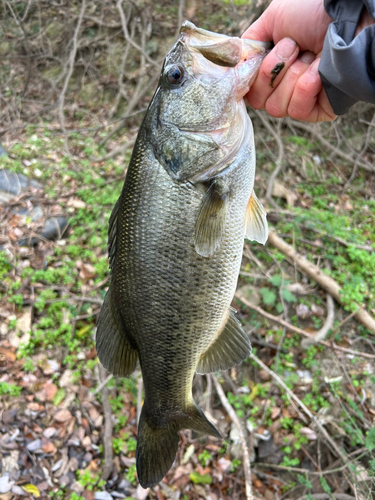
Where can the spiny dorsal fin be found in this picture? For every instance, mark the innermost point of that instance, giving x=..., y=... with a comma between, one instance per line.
x=112, y=346
x=210, y=224
x=112, y=235
x=230, y=348
x=256, y=221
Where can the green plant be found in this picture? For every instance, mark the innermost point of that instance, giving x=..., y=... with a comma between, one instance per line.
x=205, y=457
x=89, y=480
x=235, y=464
x=10, y=389
x=131, y=474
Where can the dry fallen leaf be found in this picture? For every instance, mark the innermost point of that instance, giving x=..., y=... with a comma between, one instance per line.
x=281, y=191
x=63, y=416
x=76, y=203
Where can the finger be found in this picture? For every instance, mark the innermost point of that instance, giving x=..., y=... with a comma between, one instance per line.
x=261, y=29
x=308, y=102
x=280, y=57
x=278, y=102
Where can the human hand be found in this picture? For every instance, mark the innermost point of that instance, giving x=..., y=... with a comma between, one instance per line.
x=298, y=30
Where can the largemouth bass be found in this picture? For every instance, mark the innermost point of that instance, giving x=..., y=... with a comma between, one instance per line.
x=176, y=237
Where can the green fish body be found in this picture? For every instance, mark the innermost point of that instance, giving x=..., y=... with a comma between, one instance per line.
x=176, y=238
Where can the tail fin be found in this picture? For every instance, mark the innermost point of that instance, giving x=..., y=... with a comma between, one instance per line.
x=157, y=445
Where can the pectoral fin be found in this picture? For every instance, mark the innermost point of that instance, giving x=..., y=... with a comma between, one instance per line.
x=210, y=224
x=230, y=348
x=256, y=221
x=112, y=346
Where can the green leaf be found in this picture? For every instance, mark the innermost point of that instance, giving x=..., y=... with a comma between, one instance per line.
x=59, y=397
x=288, y=296
x=279, y=307
x=269, y=297
x=199, y=479
x=370, y=439
x=276, y=280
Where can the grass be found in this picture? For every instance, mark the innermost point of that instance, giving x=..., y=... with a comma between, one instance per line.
x=63, y=326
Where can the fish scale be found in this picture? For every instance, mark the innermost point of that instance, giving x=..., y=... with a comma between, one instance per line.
x=176, y=238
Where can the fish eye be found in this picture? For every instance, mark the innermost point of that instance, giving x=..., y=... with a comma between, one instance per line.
x=175, y=74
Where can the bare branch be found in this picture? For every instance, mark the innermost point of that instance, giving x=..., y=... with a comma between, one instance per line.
x=129, y=39
x=280, y=157
x=321, y=334
x=107, y=438
x=236, y=421
x=315, y=133
x=295, y=329
x=315, y=420
x=72, y=58
x=313, y=271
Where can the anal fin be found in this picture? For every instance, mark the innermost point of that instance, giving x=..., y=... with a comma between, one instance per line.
x=230, y=348
x=112, y=346
x=211, y=220
x=256, y=221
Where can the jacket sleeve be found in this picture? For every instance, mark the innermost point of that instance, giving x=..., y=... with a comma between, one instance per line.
x=347, y=66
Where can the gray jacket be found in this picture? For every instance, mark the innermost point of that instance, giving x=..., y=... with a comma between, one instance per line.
x=347, y=67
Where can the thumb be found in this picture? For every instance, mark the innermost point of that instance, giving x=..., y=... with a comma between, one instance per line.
x=260, y=30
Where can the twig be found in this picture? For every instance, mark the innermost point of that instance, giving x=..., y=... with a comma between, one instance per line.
x=127, y=36
x=245, y=451
x=181, y=7
x=174, y=495
x=279, y=381
x=118, y=151
x=360, y=155
x=139, y=398
x=362, y=451
x=295, y=329
x=72, y=58
x=107, y=438
x=321, y=334
x=367, y=248
x=102, y=384
x=280, y=157
x=327, y=496
x=349, y=158
x=313, y=271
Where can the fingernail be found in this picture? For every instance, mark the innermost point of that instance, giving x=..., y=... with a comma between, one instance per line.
x=285, y=48
x=314, y=67
x=307, y=57
x=312, y=73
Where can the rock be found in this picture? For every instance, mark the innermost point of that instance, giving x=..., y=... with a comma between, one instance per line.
x=34, y=445
x=5, y=484
x=264, y=375
x=102, y=495
x=141, y=493
x=224, y=464
x=66, y=379
x=17, y=490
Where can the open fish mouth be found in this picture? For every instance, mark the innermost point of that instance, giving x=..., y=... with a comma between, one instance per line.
x=220, y=49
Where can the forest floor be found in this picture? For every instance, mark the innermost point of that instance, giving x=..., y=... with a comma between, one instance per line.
x=302, y=410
